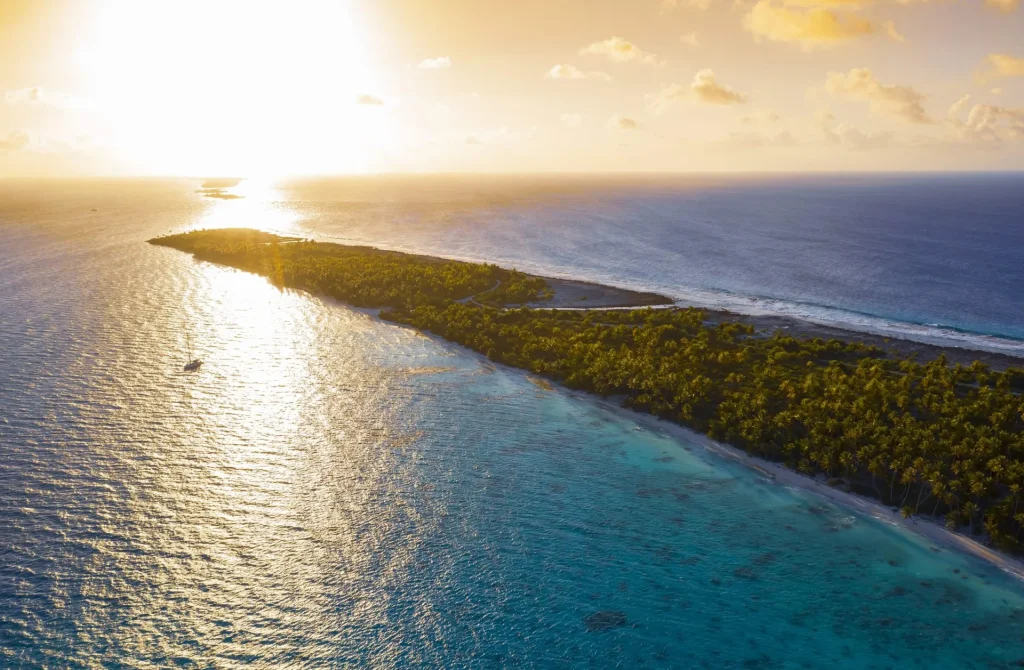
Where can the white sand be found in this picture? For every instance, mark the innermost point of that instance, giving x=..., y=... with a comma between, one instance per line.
x=779, y=474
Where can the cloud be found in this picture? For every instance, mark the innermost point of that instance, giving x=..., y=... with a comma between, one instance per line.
x=707, y=89
x=1003, y=65
x=860, y=84
x=439, y=63
x=473, y=140
x=890, y=30
x=367, y=99
x=621, y=51
x=670, y=5
x=704, y=88
x=986, y=123
x=809, y=28
x=16, y=140
x=567, y=71
x=829, y=4
x=997, y=91
x=1005, y=5
x=990, y=119
x=845, y=135
x=761, y=117
x=660, y=101
x=958, y=106
x=572, y=120
x=622, y=123
x=690, y=40
x=37, y=95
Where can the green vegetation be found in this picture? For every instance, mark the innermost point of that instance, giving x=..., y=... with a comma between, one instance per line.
x=516, y=289
x=360, y=276
x=926, y=438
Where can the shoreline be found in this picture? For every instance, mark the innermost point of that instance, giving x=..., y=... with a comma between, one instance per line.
x=585, y=295
x=582, y=294
x=922, y=526
x=776, y=473
x=608, y=296
x=922, y=352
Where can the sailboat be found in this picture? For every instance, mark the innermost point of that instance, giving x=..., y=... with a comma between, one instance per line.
x=193, y=363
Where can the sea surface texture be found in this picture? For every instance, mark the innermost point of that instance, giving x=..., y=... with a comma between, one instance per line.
x=335, y=491
x=934, y=258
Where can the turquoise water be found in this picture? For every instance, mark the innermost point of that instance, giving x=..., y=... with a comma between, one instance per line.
x=335, y=491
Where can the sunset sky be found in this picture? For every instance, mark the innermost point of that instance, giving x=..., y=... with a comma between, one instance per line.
x=255, y=87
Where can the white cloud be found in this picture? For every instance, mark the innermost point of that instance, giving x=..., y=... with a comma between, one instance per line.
x=567, y=71
x=367, y=99
x=1003, y=65
x=670, y=5
x=439, y=63
x=622, y=123
x=845, y=5
x=890, y=30
x=661, y=100
x=621, y=51
x=860, y=84
x=16, y=140
x=992, y=118
x=1005, y=5
x=704, y=88
x=957, y=107
x=690, y=40
x=809, y=28
x=572, y=120
x=845, y=135
x=707, y=89
x=990, y=124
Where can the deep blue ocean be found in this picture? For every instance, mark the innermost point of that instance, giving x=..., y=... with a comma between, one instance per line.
x=937, y=258
x=335, y=491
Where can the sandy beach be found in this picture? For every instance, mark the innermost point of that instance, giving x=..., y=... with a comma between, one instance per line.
x=588, y=295
x=580, y=294
x=574, y=294
x=920, y=351
x=923, y=526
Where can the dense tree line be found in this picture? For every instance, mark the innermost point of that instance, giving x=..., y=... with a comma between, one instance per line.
x=361, y=276
x=926, y=438
x=516, y=289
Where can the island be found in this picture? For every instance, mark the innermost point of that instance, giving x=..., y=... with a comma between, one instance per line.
x=217, y=188
x=897, y=422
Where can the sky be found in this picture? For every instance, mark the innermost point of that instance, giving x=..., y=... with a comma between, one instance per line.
x=261, y=88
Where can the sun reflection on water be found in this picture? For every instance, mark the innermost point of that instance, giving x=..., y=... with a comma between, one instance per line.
x=261, y=204
x=333, y=491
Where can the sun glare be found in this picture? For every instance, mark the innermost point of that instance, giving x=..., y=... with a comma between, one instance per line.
x=261, y=205
x=233, y=87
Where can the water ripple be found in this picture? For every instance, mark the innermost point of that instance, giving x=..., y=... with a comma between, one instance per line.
x=333, y=491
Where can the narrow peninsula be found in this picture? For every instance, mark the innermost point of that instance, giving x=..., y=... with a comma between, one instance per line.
x=929, y=438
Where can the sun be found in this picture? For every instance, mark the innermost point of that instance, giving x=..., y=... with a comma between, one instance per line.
x=234, y=87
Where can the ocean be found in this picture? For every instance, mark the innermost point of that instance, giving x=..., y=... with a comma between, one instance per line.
x=937, y=258
x=334, y=491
